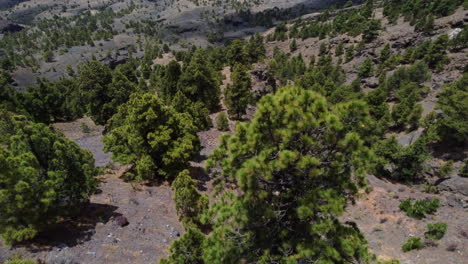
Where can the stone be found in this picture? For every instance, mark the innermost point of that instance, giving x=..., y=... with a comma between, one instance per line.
x=121, y=221
x=174, y=232
x=455, y=184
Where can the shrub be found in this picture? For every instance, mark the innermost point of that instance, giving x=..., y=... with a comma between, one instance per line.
x=222, y=123
x=464, y=169
x=366, y=69
x=412, y=243
x=18, y=260
x=435, y=231
x=420, y=208
x=85, y=128
x=446, y=169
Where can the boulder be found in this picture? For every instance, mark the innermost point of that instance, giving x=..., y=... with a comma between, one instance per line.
x=121, y=221
x=455, y=184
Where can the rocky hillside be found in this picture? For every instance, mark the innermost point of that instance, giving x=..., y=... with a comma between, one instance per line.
x=199, y=131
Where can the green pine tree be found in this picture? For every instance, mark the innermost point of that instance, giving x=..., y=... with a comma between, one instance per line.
x=238, y=95
x=43, y=177
x=295, y=165
x=153, y=137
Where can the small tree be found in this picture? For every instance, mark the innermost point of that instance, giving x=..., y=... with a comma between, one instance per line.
x=452, y=127
x=293, y=45
x=385, y=53
x=350, y=53
x=339, y=49
x=366, y=69
x=189, y=203
x=238, y=95
x=198, y=81
x=153, y=137
x=436, y=56
x=43, y=176
x=222, y=123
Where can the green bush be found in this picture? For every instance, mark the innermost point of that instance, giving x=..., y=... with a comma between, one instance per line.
x=435, y=231
x=420, y=208
x=222, y=123
x=412, y=243
x=464, y=169
x=366, y=69
x=446, y=169
x=20, y=261
x=85, y=128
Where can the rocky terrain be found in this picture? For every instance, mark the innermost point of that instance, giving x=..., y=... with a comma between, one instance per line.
x=136, y=223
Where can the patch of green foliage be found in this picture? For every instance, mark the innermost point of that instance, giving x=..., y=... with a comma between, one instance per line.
x=43, y=177
x=153, y=137
x=446, y=169
x=419, y=209
x=435, y=231
x=418, y=12
x=188, y=202
x=238, y=95
x=412, y=243
x=222, y=123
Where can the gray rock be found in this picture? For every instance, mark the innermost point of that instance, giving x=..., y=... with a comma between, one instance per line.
x=174, y=232
x=121, y=221
x=456, y=185
x=372, y=82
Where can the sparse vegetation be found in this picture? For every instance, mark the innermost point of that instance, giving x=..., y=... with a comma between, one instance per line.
x=333, y=110
x=222, y=122
x=435, y=231
x=412, y=243
x=419, y=209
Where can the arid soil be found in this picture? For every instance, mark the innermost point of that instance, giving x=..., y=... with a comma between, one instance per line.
x=387, y=228
x=95, y=238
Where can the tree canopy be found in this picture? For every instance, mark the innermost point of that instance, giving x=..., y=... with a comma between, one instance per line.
x=153, y=137
x=42, y=176
x=295, y=165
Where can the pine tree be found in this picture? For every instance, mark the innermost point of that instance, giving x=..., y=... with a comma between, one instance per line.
x=238, y=95
x=236, y=53
x=188, y=202
x=168, y=84
x=295, y=165
x=339, y=49
x=436, y=56
x=293, y=45
x=385, y=53
x=350, y=53
x=222, y=122
x=43, y=177
x=188, y=249
x=452, y=127
x=197, y=110
x=366, y=69
x=92, y=85
x=198, y=81
x=153, y=137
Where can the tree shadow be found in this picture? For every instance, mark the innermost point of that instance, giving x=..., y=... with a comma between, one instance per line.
x=199, y=174
x=449, y=151
x=71, y=231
